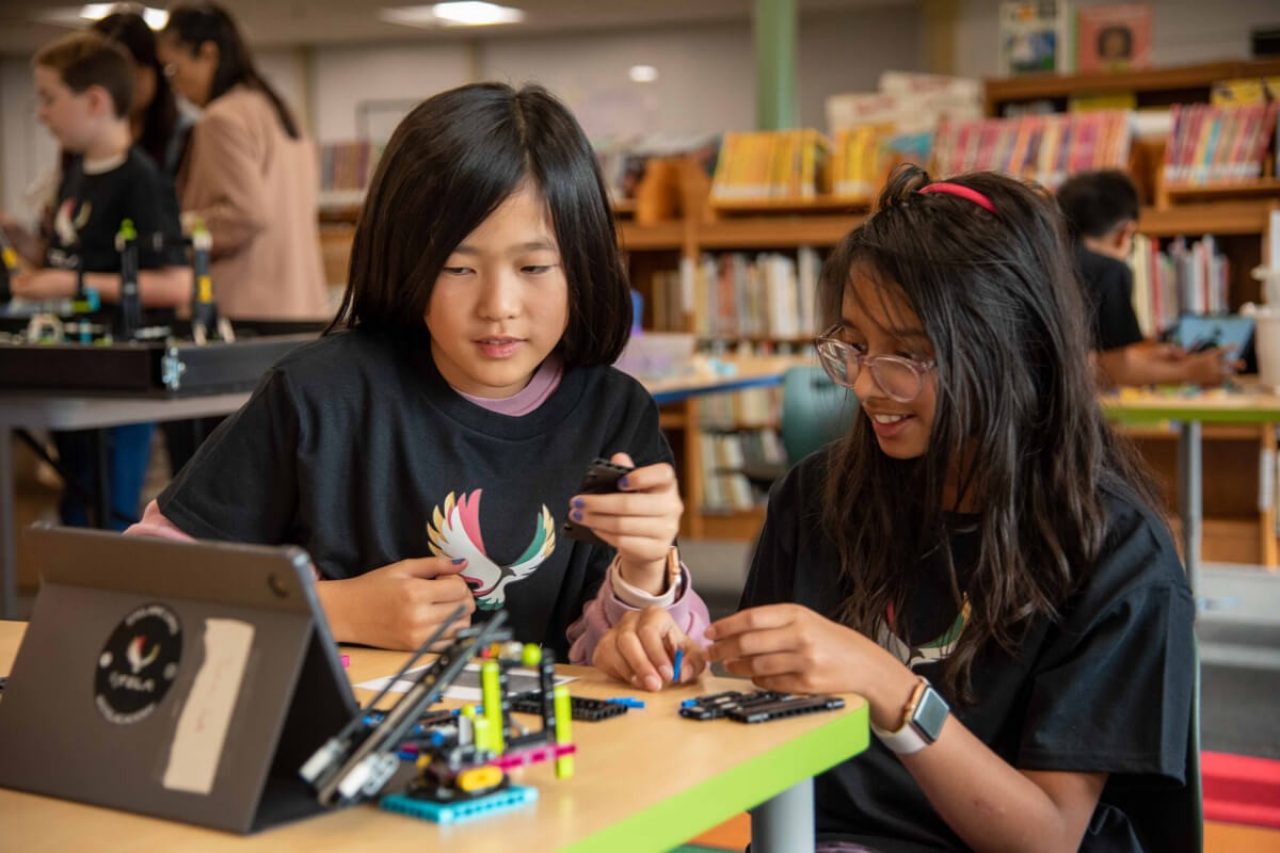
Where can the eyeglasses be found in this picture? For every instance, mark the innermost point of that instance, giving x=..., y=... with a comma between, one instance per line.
x=901, y=379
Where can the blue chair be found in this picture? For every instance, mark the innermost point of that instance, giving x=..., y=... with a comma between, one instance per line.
x=815, y=412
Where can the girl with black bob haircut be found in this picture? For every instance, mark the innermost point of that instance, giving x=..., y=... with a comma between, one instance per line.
x=979, y=557
x=417, y=212
x=428, y=449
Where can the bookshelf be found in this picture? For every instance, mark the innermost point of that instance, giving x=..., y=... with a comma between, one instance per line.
x=1154, y=87
x=1239, y=523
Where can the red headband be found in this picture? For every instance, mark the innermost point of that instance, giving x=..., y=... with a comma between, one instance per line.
x=960, y=191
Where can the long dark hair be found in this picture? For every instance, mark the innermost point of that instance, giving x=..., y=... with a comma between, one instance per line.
x=449, y=164
x=1017, y=424
x=158, y=125
x=196, y=23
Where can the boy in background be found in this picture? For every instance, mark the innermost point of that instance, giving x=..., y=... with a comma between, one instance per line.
x=84, y=84
x=1101, y=209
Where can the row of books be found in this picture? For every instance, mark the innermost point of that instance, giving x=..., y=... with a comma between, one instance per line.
x=787, y=164
x=724, y=456
x=1044, y=148
x=749, y=408
x=766, y=296
x=863, y=158
x=624, y=161
x=1182, y=279
x=348, y=166
x=1212, y=144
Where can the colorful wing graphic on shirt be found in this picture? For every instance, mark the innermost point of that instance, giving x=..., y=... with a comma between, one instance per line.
x=455, y=533
x=937, y=649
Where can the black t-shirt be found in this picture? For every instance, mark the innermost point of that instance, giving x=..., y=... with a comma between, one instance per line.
x=1108, y=288
x=91, y=207
x=356, y=449
x=1107, y=688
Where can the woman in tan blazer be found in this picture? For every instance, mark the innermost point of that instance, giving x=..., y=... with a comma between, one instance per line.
x=249, y=174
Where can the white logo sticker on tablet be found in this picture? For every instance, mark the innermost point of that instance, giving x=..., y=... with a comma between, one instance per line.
x=138, y=664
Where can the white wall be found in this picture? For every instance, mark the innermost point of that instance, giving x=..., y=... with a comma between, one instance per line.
x=1183, y=31
x=344, y=77
x=286, y=71
x=846, y=51
x=27, y=152
x=706, y=72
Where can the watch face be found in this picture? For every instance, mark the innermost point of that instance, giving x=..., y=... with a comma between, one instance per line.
x=931, y=713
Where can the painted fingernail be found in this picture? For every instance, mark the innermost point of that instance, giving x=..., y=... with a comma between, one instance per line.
x=624, y=483
x=459, y=561
x=579, y=503
x=577, y=515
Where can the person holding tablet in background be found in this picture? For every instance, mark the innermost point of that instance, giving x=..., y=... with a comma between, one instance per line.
x=1101, y=209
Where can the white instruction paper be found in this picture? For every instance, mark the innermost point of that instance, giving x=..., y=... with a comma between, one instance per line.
x=206, y=716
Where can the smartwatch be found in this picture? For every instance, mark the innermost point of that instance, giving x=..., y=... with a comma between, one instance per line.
x=922, y=721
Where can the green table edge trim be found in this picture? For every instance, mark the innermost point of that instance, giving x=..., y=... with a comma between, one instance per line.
x=680, y=817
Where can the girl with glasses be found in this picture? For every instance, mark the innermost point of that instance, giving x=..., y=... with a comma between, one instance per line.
x=978, y=557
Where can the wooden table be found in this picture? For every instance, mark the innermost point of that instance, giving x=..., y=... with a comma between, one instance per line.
x=644, y=782
x=1252, y=405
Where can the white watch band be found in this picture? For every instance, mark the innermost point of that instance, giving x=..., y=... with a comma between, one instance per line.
x=904, y=741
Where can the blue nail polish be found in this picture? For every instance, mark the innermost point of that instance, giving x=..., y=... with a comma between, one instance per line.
x=579, y=503
x=459, y=561
x=624, y=483
x=577, y=515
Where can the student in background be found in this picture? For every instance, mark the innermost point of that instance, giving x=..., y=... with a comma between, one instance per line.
x=980, y=527
x=250, y=173
x=1101, y=209
x=85, y=87
x=427, y=450
x=158, y=128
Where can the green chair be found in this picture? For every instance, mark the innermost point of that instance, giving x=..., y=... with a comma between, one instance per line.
x=815, y=412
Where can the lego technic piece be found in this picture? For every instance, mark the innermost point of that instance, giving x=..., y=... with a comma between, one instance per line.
x=625, y=701
x=563, y=732
x=462, y=757
x=581, y=709
x=787, y=706
x=601, y=478
x=338, y=759
x=129, y=320
x=676, y=665
x=8, y=268
x=206, y=324
x=755, y=707
x=712, y=706
x=204, y=311
x=453, y=812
